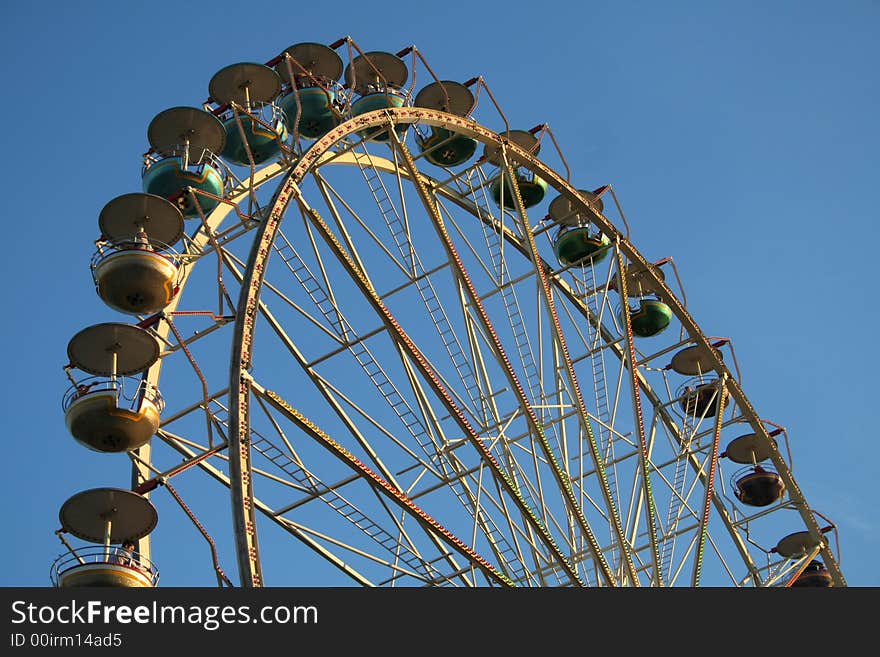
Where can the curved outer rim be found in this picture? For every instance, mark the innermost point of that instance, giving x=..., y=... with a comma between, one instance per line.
x=243, y=506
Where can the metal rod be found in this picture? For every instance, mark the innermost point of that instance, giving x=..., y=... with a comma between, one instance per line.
x=60, y=534
x=107, y=531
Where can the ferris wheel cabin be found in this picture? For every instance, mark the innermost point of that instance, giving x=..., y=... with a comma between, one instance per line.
x=757, y=484
x=815, y=575
x=651, y=318
x=702, y=400
x=378, y=79
x=253, y=123
x=576, y=242
x=103, y=517
x=112, y=411
x=185, y=142
x=313, y=104
x=135, y=269
x=444, y=148
x=532, y=189
x=803, y=545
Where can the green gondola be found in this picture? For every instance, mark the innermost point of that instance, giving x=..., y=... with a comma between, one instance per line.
x=317, y=116
x=580, y=245
x=378, y=101
x=263, y=143
x=650, y=319
x=445, y=148
x=531, y=188
x=167, y=178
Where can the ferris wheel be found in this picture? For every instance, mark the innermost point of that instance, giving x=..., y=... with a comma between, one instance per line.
x=416, y=346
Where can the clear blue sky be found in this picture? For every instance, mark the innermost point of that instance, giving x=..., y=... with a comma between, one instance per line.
x=741, y=138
